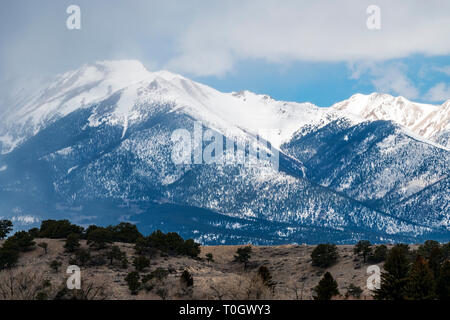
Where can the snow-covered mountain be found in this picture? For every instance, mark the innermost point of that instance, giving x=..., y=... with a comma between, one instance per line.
x=425, y=120
x=94, y=145
x=229, y=112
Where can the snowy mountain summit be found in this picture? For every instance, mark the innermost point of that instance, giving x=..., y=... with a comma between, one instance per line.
x=95, y=144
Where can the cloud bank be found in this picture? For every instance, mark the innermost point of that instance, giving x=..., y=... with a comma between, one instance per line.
x=209, y=38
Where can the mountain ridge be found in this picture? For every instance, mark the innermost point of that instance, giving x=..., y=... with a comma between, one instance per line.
x=93, y=145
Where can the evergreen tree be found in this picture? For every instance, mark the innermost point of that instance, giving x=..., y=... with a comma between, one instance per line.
x=141, y=262
x=425, y=249
x=8, y=258
x=363, y=248
x=324, y=255
x=243, y=255
x=82, y=256
x=132, y=280
x=58, y=229
x=443, y=282
x=72, y=242
x=394, y=278
x=125, y=232
x=446, y=251
x=420, y=284
x=114, y=253
x=435, y=260
x=99, y=237
x=209, y=257
x=327, y=288
x=6, y=227
x=379, y=254
x=21, y=241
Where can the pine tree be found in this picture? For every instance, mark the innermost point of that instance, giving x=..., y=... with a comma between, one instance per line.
x=394, y=278
x=243, y=255
x=324, y=255
x=114, y=253
x=443, y=282
x=435, y=260
x=327, y=288
x=72, y=242
x=363, y=248
x=379, y=254
x=6, y=227
x=420, y=284
x=132, y=280
x=141, y=262
x=425, y=249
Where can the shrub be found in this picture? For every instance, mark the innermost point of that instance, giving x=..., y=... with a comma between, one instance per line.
x=266, y=276
x=41, y=295
x=125, y=232
x=8, y=258
x=162, y=293
x=209, y=257
x=132, y=280
x=58, y=229
x=170, y=243
x=379, y=254
x=324, y=255
x=99, y=237
x=159, y=274
x=114, y=253
x=141, y=262
x=97, y=261
x=82, y=257
x=21, y=241
x=72, y=242
x=353, y=291
x=124, y=262
x=186, y=279
x=34, y=232
x=55, y=264
x=191, y=249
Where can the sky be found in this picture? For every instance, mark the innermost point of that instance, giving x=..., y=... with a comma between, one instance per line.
x=317, y=51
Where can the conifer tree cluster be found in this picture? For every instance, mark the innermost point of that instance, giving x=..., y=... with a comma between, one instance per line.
x=420, y=275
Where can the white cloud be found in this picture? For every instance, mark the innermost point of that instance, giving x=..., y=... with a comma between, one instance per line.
x=438, y=93
x=310, y=31
x=200, y=37
x=444, y=70
x=386, y=77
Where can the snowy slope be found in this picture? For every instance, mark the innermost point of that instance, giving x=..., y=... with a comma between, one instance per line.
x=230, y=113
x=101, y=134
x=423, y=119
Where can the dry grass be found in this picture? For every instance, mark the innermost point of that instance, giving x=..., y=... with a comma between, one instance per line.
x=222, y=279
